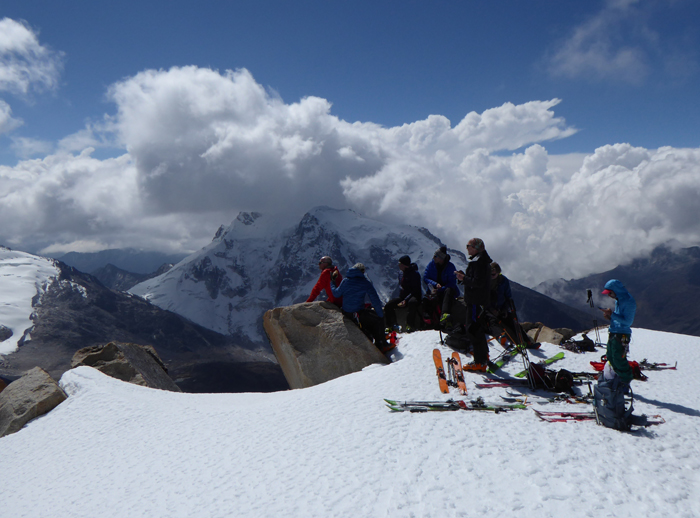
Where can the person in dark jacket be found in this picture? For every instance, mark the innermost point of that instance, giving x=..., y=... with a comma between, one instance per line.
x=354, y=288
x=477, y=294
x=440, y=280
x=501, y=310
x=410, y=295
x=620, y=330
x=329, y=274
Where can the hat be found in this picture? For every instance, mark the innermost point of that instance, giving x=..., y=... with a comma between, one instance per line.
x=405, y=260
x=441, y=252
x=606, y=292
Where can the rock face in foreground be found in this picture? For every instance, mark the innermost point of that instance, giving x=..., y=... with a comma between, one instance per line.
x=138, y=364
x=34, y=394
x=314, y=343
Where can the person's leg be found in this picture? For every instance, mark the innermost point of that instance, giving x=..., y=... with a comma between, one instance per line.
x=413, y=305
x=390, y=312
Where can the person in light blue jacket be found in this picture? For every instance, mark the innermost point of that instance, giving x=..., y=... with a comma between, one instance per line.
x=354, y=288
x=620, y=330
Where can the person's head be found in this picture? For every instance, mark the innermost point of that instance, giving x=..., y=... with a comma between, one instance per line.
x=495, y=269
x=404, y=262
x=359, y=266
x=325, y=262
x=475, y=246
x=440, y=255
x=609, y=293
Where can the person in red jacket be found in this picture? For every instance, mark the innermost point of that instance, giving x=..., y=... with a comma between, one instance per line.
x=328, y=273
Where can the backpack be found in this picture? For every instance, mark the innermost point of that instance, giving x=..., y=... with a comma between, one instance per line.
x=556, y=381
x=609, y=401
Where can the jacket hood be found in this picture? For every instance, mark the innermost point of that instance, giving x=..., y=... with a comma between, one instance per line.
x=619, y=288
x=354, y=272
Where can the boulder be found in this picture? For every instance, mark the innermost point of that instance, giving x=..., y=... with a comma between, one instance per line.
x=33, y=395
x=314, y=343
x=138, y=364
x=542, y=333
x=5, y=333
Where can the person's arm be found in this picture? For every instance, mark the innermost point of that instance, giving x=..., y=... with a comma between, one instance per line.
x=338, y=292
x=318, y=287
x=376, y=301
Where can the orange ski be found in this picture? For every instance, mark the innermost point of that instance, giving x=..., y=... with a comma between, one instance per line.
x=457, y=362
x=437, y=358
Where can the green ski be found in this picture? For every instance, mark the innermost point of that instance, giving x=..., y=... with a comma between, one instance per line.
x=548, y=361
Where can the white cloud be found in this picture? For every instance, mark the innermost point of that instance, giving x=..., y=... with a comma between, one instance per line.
x=25, y=64
x=7, y=122
x=202, y=145
x=614, y=44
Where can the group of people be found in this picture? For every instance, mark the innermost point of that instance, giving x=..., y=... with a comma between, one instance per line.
x=487, y=303
x=442, y=293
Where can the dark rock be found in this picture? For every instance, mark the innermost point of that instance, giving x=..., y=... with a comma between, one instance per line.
x=5, y=333
x=138, y=364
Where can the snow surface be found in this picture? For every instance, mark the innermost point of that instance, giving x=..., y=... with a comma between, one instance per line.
x=22, y=277
x=120, y=450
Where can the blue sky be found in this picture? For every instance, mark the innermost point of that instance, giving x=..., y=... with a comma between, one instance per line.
x=135, y=97
x=386, y=62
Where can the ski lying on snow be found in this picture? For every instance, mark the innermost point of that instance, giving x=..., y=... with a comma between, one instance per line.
x=437, y=358
x=456, y=373
x=450, y=405
x=548, y=361
x=557, y=417
x=507, y=356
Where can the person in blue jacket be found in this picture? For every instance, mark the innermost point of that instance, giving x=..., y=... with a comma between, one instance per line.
x=620, y=330
x=410, y=295
x=441, y=282
x=354, y=288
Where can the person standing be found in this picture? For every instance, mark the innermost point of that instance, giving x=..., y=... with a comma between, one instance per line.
x=410, y=295
x=477, y=291
x=620, y=331
x=329, y=274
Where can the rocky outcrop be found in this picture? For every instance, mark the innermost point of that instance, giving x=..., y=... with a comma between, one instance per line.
x=31, y=396
x=5, y=333
x=542, y=333
x=138, y=364
x=314, y=343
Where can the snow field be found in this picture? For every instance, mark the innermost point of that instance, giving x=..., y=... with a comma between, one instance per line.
x=119, y=450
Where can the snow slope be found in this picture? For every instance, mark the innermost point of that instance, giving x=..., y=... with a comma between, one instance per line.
x=119, y=450
x=22, y=277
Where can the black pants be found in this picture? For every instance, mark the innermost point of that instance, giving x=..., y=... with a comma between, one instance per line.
x=476, y=329
x=411, y=319
x=371, y=324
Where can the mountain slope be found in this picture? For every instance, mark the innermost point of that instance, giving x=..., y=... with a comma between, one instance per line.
x=256, y=264
x=336, y=450
x=665, y=285
x=61, y=310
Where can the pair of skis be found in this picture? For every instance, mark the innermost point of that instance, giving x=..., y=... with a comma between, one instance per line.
x=455, y=375
x=560, y=417
x=450, y=406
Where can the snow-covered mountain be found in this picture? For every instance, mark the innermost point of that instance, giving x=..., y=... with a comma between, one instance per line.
x=256, y=264
x=117, y=450
x=49, y=310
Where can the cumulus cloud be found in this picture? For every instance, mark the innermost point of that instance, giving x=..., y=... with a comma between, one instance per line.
x=25, y=64
x=201, y=145
x=7, y=122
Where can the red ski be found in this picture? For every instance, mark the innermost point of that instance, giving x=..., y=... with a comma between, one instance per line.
x=437, y=358
x=456, y=363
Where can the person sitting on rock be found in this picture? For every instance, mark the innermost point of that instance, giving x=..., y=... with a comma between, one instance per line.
x=354, y=288
x=329, y=273
x=410, y=295
x=439, y=277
